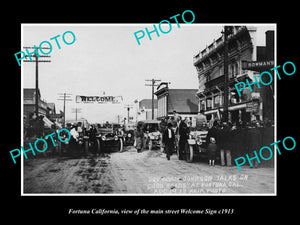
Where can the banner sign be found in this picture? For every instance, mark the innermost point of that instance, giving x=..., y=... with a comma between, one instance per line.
x=99, y=99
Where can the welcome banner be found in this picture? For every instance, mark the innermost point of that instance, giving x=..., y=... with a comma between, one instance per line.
x=99, y=99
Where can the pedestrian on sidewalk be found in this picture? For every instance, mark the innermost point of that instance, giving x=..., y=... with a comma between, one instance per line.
x=169, y=140
x=139, y=136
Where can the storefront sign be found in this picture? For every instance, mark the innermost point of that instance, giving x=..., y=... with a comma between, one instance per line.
x=55, y=116
x=252, y=107
x=99, y=99
x=267, y=74
x=252, y=65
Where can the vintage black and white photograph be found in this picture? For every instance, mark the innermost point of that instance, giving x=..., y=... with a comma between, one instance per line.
x=148, y=109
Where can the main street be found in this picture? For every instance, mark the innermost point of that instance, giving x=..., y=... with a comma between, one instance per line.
x=148, y=172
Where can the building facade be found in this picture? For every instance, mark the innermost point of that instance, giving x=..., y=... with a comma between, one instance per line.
x=209, y=63
x=45, y=109
x=183, y=101
x=145, y=109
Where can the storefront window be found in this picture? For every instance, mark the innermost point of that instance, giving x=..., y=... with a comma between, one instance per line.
x=246, y=94
x=208, y=103
x=202, y=105
x=217, y=101
x=233, y=97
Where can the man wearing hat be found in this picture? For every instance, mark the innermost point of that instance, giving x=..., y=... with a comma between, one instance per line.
x=169, y=140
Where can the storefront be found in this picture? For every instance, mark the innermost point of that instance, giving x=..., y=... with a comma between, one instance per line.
x=240, y=109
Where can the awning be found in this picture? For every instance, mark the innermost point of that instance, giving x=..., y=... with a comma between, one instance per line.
x=47, y=122
x=238, y=106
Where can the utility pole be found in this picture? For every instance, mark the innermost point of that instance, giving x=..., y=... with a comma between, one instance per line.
x=76, y=110
x=152, y=85
x=137, y=109
x=128, y=107
x=36, y=75
x=118, y=118
x=226, y=33
x=66, y=97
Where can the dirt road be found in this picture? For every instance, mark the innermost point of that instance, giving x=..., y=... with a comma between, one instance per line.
x=148, y=172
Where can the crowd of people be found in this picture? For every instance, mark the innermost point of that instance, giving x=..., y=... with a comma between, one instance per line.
x=36, y=129
x=225, y=141
x=174, y=132
x=231, y=140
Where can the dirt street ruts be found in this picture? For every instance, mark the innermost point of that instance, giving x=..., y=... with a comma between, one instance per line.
x=148, y=172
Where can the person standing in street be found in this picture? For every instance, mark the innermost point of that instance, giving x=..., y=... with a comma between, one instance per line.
x=74, y=138
x=212, y=140
x=183, y=137
x=169, y=140
x=162, y=127
x=139, y=136
x=225, y=150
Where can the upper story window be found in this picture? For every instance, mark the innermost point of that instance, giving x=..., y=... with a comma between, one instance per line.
x=233, y=69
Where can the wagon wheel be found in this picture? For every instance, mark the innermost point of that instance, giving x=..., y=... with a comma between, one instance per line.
x=44, y=152
x=190, y=153
x=59, y=148
x=150, y=146
x=121, y=144
x=177, y=150
x=98, y=146
x=86, y=146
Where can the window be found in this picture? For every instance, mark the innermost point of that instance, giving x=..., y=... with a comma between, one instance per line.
x=208, y=103
x=202, y=105
x=236, y=65
x=233, y=70
x=231, y=74
x=217, y=101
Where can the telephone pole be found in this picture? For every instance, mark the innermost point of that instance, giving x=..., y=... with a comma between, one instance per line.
x=226, y=32
x=66, y=97
x=128, y=107
x=36, y=56
x=76, y=110
x=137, y=109
x=152, y=85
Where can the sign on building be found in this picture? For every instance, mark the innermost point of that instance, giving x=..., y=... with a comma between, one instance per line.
x=252, y=107
x=257, y=65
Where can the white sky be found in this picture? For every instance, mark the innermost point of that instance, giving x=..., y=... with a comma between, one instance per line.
x=106, y=57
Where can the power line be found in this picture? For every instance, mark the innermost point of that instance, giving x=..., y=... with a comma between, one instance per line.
x=66, y=97
x=128, y=107
x=36, y=76
x=152, y=85
x=76, y=111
